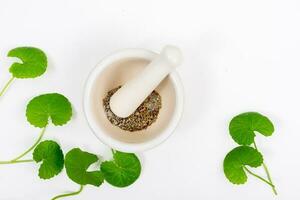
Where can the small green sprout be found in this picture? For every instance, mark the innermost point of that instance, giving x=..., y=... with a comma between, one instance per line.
x=243, y=129
x=33, y=64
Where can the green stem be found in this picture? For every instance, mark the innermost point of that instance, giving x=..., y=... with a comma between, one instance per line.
x=113, y=151
x=259, y=177
x=267, y=172
x=14, y=161
x=17, y=159
x=6, y=86
x=33, y=146
x=69, y=194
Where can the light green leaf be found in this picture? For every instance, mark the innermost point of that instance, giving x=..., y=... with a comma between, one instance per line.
x=123, y=170
x=237, y=159
x=34, y=62
x=242, y=128
x=77, y=163
x=54, y=106
x=50, y=153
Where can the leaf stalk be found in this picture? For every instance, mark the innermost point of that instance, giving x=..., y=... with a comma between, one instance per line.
x=267, y=172
x=259, y=177
x=6, y=86
x=14, y=162
x=17, y=159
x=68, y=194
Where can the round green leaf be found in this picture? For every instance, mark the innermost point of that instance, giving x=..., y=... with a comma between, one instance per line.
x=34, y=62
x=123, y=170
x=54, y=106
x=77, y=163
x=235, y=161
x=242, y=128
x=50, y=153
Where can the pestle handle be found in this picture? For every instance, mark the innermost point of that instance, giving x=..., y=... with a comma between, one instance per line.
x=132, y=94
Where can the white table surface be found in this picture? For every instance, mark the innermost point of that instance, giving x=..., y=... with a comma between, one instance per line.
x=239, y=56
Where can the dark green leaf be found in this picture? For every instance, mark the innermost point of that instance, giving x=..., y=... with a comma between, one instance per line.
x=235, y=161
x=243, y=127
x=50, y=153
x=77, y=163
x=123, y=170
x=54, y=106
x=34, y=62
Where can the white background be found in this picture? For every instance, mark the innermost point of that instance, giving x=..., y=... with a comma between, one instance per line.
x=239, y=56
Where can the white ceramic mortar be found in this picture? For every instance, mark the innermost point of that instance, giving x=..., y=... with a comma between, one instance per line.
x=115, y=70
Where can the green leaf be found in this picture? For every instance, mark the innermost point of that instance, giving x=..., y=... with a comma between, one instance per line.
x=237, y=159
x=50, y=153
x=77, y=163
x=123, y=170
x=242, y=128
x=34, y=62
x=54, y=106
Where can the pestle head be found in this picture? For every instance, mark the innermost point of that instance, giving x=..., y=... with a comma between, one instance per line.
x=132, y=94
x=172, y=54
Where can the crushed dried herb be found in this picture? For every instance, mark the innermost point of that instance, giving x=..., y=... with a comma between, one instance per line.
x=145, y=115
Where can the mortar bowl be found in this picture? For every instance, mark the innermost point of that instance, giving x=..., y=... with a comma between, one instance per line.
x=115, y=70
